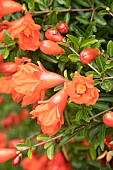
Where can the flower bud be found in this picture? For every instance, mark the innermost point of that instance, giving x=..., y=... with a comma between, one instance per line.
x=88, y=55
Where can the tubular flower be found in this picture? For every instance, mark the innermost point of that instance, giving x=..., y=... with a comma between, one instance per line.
x=26, y=31
x=3, y=140
x=32, y=81
x=9, y=7
x=7, y=154
x=81, y=90
x=6, y=81
x=49, y=113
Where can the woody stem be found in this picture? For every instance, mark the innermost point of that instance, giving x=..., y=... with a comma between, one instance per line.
x=94, y=69
x=61, y=10
x=107, y=110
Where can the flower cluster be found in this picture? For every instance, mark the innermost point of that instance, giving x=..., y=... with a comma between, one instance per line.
x=37, y=163
x=30, y=82
x=25, y=30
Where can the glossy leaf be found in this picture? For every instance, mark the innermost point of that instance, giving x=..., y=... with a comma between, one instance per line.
x=81, y=114
x=29, y=154
x=107, y=85
x=101, y=106
x=84, y=3
x=88, y=42
x=99, y=19
x=92, y=152
x=67, y=138
x=100, y=63
x=73, y=57
x=21, y=146
x=42, y=137
x=102, y=136
x=82, y=20
x=90, y=29
x=48, y=144
x=110, y=48
x=50, y=151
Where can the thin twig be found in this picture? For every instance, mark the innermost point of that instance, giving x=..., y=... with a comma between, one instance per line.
x=101, y=113
x=61, y=10
x=94, y=69
x=73, y=50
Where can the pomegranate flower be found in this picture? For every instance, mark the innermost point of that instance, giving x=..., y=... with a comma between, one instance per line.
x=9, y=7
x=81, y=90
x=49, y=113
x=27, y=32
x=7, y=154
x=32, y=81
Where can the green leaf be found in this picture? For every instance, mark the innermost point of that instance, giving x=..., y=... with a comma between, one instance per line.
x=67, y=17
x=83, y=3
x=64, y=58
x=81, y=114
x=57, y=88
x=99, y=19
x=101, y=106
x=107, y=85
x=109, y=65
x=73, y=39
x=48, y=144
x=28, y=143
x=111, y=153
x=88, y=42
x=67, y=138
x=106, y=99
x=100, y=63
x=92, y=152
x=78, y=31
x=5, y=53
x=73, y=57
x=42, y=137
x=21, y=146
x=110, y=48
x=50, y=151
x=29, y=154
x=48, y=58
x=82, y=20
x=101, y=136
x=90, y=29
x=53, y=18
x=95, y=75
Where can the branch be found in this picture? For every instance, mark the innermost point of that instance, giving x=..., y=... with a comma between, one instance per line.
x=61, y=10
x=107, y=110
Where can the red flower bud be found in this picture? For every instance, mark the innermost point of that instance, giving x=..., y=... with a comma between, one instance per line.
x=9, y=7
x=6, y=154
x=108, y=119
x=53, y=35
x=63, y=27
x=88, y=55
x=8, y=68
x=16, y=160
x=51, y=48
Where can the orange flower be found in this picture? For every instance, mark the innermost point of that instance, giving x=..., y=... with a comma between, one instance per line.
x=6, y=88
x=35, y=163
x=6, y=82
x=59, y=162
x=26, y=31
x=32, y=81
x=49, y=113
x=81, y=90
x=3, y=140
x=9, y=7
x=6, y=154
